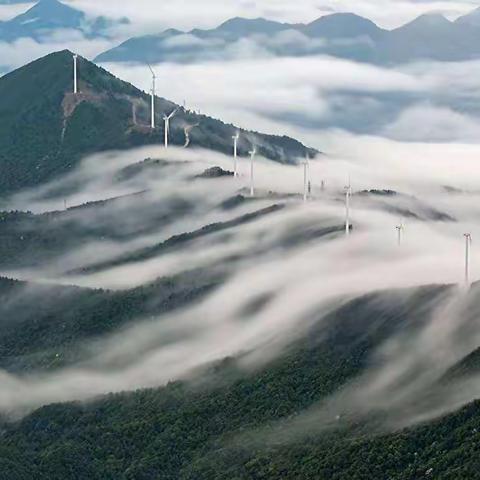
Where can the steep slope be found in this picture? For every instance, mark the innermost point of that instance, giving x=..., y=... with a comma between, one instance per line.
x=48, y=16
x=45, y=129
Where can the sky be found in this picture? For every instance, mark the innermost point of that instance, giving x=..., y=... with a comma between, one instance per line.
x=188, y=14
x=153, y=16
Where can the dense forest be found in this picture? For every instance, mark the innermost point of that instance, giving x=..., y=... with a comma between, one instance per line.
x=226, y=423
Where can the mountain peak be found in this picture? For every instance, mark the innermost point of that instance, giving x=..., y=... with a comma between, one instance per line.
x=47, y=16
x=343, y=24
x=430, y=20
x=49, y=7
x=50, y=2
x=245, y=26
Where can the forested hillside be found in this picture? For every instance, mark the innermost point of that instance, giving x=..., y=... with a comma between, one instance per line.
x=225, y=425
x=45, y=129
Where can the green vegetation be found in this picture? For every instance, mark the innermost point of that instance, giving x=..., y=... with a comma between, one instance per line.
x=45, y=130
x=183, y=238
x=218, y=428
x=44, y=327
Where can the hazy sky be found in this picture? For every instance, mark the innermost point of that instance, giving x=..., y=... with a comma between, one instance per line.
x=154, y=15
x=193, y=13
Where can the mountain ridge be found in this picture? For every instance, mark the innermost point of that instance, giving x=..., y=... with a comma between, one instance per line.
x=345, y=35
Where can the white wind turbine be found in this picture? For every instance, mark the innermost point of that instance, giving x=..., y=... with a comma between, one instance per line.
x=400, y=228
x=305, y=177
x=468, y=243
x=235, y=153
x=252, y=153
x=75, y=73
x=348, y=194
x=167, y=119
x=153, y=93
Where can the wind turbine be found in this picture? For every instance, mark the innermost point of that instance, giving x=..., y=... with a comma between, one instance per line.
x=75, y=79
x=154, y=87
x=235, y=153
x=468, y=243
x=167, y=119
x=400, y=228
x=348, y=194
x=252, y=153
x=305, y=178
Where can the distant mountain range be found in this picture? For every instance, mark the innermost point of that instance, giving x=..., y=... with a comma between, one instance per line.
x=49, y=16
x=344, y=35
x=45, y=129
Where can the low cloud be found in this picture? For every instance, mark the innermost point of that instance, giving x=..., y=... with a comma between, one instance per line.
x=345, y=268
x=433, y=123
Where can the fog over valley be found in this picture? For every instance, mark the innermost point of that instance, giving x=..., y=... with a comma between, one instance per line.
x=239, y=240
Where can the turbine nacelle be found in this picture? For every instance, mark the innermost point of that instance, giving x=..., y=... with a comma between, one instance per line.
x=169, y=117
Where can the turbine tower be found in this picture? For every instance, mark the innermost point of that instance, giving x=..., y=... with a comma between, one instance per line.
x=253, y=152
x=305, y=178
x=400, y=229
x=153, y=93
x=167, y=119
x=75, y=74
x=468, y=243
x=235, y=153
x=348, y=194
